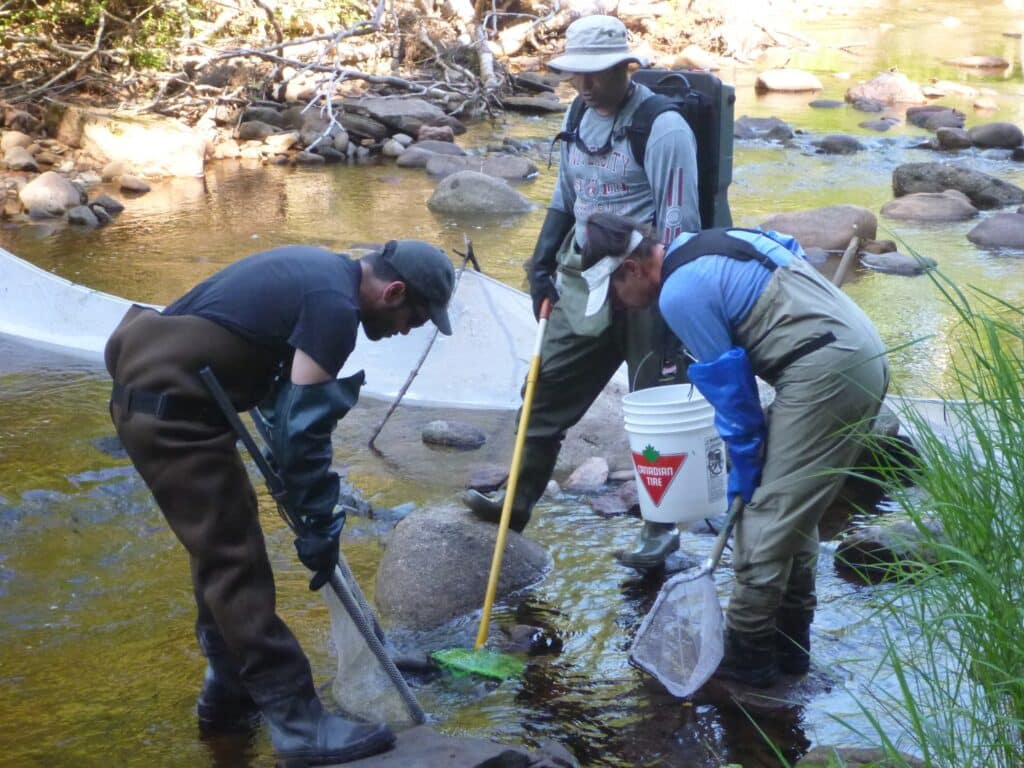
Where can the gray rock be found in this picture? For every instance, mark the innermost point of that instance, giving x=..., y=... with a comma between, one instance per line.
x=507, y=167
x=767, y=128
x=469, y=192
x=855, y=757
x=392, y=148
x=423, y=747
x=933, y=116
x=436, y=563
x=831, y=227
x=487, y=478
x=1003, y=230
x=414, y=157
x=111, y=204
x=895, y=263
x=267, y=115
x=255, y=130
x=129, y=183
x=281, y=142
x=533, y=105
x=20, y=159
x=436, y=133
x=439, y=147
x=309, y=158
x=102, y=214
x=825, y=104
x=996, y=135
x=983, y=190
x=12, y=139
x=50, y=192
x=405, y=115
x=881, y=124
x=868, y=105
x=952, y=138
x=362, y=127
x=453, y=434
x=786, y=81
x=83, y=216
x=874, y=549
x=588, y=477
x=838, y=144
x=950, y=205
x=888, y=88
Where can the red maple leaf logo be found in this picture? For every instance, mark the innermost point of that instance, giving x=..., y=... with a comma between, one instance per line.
x=657, y=471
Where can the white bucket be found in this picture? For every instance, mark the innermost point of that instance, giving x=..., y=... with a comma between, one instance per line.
x=678, y=457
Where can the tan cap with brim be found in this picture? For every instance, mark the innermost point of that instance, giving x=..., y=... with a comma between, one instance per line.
x=594, y=44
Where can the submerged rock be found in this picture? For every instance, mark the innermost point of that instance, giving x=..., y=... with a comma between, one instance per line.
x=830, y=227
x=983, y=190
x=950, y=205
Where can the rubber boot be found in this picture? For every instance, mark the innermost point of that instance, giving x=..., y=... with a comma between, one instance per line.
x=304, y=733
x=793, y=641
x=538, y=464
x=749, y=659
x=655, y=542
x=224, y=705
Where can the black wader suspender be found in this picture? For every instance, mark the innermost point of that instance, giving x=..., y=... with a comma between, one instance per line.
x=719, y=242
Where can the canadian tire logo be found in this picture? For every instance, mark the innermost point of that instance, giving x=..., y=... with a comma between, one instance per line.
x=657, y=470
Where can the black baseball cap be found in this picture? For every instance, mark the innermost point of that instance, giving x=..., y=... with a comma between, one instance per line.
x=427, y=273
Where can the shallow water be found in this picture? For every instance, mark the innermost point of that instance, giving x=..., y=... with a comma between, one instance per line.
x=98, y=665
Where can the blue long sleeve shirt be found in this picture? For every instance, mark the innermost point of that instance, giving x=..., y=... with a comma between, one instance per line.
x=704, y=301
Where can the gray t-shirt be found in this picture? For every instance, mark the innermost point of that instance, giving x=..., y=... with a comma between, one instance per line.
x=662, y=193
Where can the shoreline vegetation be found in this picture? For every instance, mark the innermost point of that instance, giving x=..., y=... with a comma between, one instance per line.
x=951, y=619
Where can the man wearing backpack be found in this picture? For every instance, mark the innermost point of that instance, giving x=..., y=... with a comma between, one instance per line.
x=600, y=171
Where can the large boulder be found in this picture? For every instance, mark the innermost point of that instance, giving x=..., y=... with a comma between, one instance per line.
x=150, y=146
x=470, y=192
x=830, y=228
x=950, y=205
x=1003, y=230
x=787, y=81
x=888, y=88
x=983, y=190
x=508, y=167
x=405, y=115
x=996, y=135
x=51, y=193
x=436, y=563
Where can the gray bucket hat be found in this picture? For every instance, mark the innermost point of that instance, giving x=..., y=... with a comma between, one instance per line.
x=594, y=44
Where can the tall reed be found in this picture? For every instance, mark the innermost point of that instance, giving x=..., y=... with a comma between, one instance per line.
x=954, y=622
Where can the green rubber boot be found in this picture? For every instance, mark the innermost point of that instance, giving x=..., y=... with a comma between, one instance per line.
x=793, y=641
x=749, y=659
x=655, y=543
x=538, y=464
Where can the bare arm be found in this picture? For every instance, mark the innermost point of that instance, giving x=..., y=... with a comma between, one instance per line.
x=305, y=370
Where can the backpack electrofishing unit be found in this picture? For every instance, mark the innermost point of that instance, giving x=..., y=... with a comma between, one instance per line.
x=707, y=105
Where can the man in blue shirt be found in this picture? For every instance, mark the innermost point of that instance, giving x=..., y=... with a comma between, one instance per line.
x=746, y=303
x=275, y=328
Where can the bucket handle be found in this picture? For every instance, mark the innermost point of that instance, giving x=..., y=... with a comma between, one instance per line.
x=643, y=361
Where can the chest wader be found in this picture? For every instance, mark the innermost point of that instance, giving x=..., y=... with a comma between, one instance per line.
x=579, y=356
x=186, y=454
x=826, y=362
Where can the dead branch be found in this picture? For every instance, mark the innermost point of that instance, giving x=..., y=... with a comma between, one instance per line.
x=78, y=61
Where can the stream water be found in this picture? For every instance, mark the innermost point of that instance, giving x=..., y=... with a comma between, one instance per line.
x=97, y=661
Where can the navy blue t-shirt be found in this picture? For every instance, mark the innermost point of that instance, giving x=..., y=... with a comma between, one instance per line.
x=288, y=298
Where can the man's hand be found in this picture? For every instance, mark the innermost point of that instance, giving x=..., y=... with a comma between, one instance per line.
x=541, y=267
x=319, y=553
x=542, y=286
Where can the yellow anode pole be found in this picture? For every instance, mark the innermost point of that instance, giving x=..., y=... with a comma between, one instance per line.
x=513, y=478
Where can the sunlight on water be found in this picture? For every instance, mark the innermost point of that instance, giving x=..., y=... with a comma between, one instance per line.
x=99, y=666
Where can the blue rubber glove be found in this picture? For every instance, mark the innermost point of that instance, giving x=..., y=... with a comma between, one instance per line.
x=728, y=384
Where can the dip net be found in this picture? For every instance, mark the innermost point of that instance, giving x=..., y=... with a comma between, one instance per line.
x=680, y=639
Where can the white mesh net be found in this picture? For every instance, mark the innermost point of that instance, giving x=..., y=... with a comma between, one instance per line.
x=362, y=687
x=680, y=639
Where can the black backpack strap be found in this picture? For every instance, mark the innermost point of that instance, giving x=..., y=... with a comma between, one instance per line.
x=639, y=129
x=572, y=126
x=716, y=242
